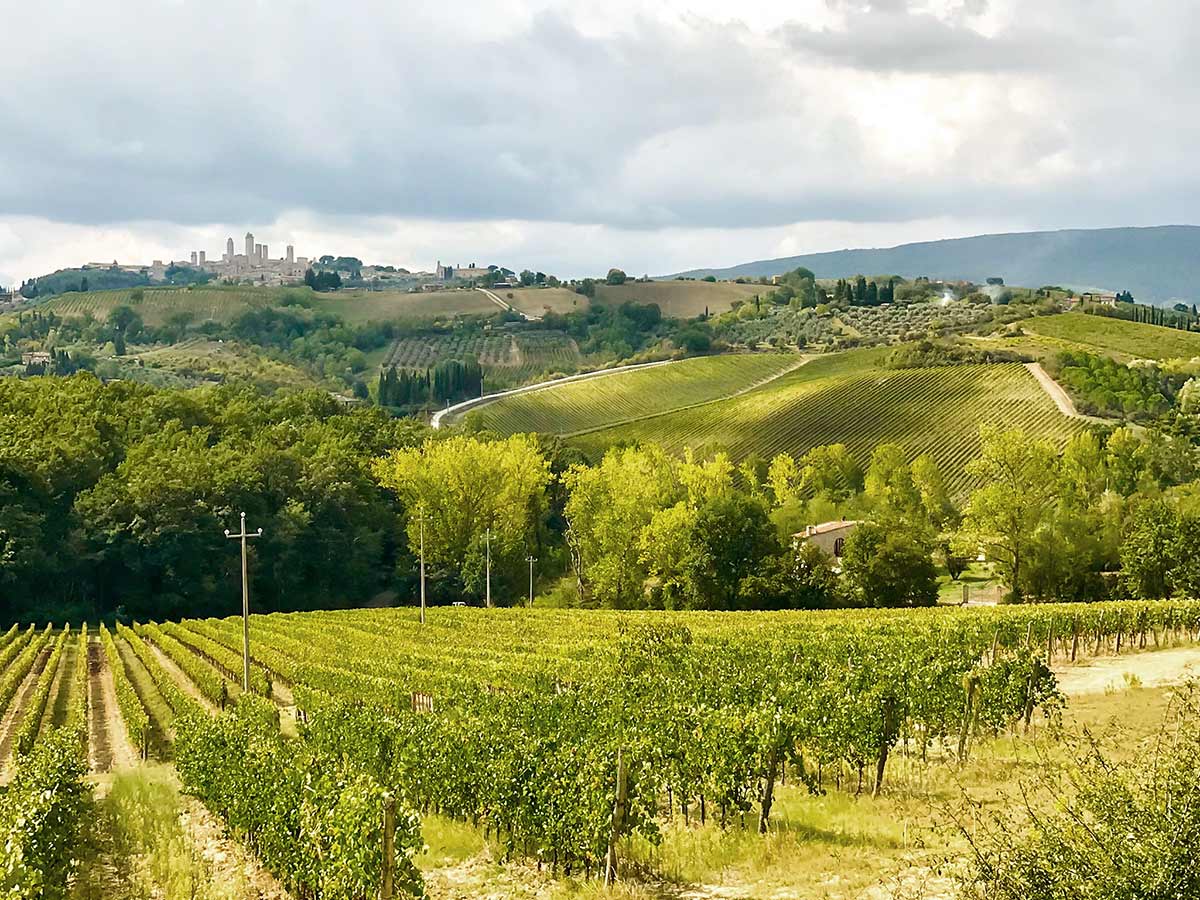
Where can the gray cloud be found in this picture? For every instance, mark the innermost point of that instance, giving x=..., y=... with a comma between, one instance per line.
x=1074, y=113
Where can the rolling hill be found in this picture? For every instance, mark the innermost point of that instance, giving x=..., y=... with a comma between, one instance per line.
x=851, y=398
x=223, y=304
x=1156, y=264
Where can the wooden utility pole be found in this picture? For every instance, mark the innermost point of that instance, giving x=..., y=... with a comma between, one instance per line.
x=489, y=568
x=531, y=560
x=244, y=536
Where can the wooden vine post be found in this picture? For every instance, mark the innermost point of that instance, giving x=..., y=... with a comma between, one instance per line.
x=387, y=887
x=618, y=819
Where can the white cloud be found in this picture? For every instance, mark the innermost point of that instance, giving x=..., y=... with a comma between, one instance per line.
x=579, y=133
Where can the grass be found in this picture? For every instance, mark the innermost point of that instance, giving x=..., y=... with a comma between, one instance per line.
x=539, y=301
x=138, y=847
x=1116, y=337
x=597, y=403
x=681, y=299
x=978, y=578
x=161, y=716
x=223, y=303
x=851, y=398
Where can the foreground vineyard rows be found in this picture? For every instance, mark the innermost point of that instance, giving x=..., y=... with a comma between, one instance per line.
x=531, y=723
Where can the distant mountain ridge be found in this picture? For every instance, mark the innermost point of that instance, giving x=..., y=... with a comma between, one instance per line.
x=1157, y=264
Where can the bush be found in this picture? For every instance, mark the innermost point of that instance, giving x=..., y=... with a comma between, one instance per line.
x=1106, y=831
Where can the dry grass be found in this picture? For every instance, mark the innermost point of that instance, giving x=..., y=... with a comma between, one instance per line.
x=681, y=299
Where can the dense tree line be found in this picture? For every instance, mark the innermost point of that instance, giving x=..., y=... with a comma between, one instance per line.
x=448, y=381
x=617, y=330
x=116, y=496
x=1183, y=318
x=860, y=292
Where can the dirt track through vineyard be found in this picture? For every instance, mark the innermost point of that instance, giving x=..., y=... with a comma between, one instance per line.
x=16, y=712
x=108, y=741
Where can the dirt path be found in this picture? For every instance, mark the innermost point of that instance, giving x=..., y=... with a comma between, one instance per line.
x=1060, y=397
x=109, y=742
x=1150, y=668
x=11, y=722
x=180, y=677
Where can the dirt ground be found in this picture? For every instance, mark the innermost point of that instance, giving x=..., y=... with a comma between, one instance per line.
x=1149, y=668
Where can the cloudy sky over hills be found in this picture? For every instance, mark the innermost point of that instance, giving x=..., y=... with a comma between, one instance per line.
x=569, y=137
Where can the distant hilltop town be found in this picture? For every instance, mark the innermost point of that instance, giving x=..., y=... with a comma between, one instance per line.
x=254, y=263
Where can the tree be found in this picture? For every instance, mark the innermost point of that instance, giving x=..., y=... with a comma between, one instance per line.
x=889, y=567
x=467, y=487
x=889, y=485
x=1148, y=551
x=608, y=507
x=800, y=579
x=1019, y=477
x=615, y=276
x=731, y=536
x=1184, y=578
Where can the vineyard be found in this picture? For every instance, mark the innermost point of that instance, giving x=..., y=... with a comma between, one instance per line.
x=846, y=398
x=1116, y=337
x=564, y=735
x=625, y=396
x=507, y=358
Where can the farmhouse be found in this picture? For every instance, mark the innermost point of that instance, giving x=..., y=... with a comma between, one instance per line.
x=829, y=536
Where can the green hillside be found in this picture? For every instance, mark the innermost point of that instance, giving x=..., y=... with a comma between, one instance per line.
x=1116, y=337
x=223, y=304
x=625, y=396
x=851, y=398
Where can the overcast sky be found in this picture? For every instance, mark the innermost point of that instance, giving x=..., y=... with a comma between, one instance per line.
x=654, y=135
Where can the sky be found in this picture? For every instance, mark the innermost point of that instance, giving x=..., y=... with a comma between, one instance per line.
x=568, y=137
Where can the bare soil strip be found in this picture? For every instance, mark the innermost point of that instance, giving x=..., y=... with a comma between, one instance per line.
x=109, y=742
x=11, y=722
x=1148, y=668
x=180, y=677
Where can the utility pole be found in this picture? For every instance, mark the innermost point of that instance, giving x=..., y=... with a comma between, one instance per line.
x=489, y=568
x=243, y=536
x=531, y=560
x=422, y=520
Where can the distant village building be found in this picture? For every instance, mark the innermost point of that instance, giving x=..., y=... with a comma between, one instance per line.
x=829, y=536
x=36, y=358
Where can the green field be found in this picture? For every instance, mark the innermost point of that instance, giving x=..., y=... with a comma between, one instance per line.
x=849, y=398
x=681, y=299
x=623, y=396
x=223, y=304
x=1116, y=337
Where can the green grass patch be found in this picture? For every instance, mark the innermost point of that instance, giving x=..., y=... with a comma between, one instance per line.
x=1117, y=337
